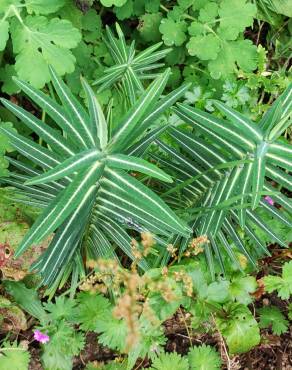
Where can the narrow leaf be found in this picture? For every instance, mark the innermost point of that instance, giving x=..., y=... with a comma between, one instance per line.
x=136, y=164
x=68, y=167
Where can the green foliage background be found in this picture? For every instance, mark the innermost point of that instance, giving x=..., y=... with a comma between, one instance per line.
x=234, y=51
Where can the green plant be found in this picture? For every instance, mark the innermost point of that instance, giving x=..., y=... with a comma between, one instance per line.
x=281, y=284
x=214, y=305
x=169, y=361
x=129, y=69
x=223, y=170
x=4, y=148
x=14, y=356
x=237, y=320
x=101, y=189
x=37, y=38
x=219, y=189
x=272, y=316
x=202, y=357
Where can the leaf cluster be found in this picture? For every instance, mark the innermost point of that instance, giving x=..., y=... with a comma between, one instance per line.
x=37, y=38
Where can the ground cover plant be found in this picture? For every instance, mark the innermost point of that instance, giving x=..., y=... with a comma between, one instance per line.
x=145, y=171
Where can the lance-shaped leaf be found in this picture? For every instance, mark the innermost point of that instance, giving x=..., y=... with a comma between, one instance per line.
x=225, y=144
x=55, y=187
x=285, y=120
x=97, y=119
x=35, y=152
x=73, y=108
x=141, y=146
x=99, y=243
x=54, y=256
x=279, y=176
x=281, y=149
x=141, y=194
x=259, y=170
x=62, y=206
x=161, y=106
x=257, y=220
x=230, y=230
x=68, y=167
x=189, y=166
x=130, y=163
x=123, y=136
x=118, y=235
x=272, y=116
x=55, y=111
x=223, y=128
x=243, y=124
x=280, y=160
x=280, y=198
x=50, y=135
x=199, y=150
x=243, y=187
x=276, y=213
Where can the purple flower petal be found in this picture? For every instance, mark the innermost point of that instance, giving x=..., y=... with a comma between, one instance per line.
x=41, y=337
x=269, y=200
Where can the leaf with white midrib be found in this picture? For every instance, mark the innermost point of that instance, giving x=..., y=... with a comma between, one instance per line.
x=54, y=110
x=73, y=108
x=50, y=135
x=131, y=163
x=68, y=167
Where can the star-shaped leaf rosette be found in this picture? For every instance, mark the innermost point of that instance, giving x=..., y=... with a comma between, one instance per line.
x=224, y=168
x=81, y=176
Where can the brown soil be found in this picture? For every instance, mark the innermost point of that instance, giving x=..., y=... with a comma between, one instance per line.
x=274, y=353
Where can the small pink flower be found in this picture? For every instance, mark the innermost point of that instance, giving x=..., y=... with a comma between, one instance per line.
x=41, y=337
x=269, y=200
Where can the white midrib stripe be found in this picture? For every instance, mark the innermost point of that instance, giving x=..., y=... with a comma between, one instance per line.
x=142, y=210
x=68, y=123
x=72, y=165
x=284, y=102
x=141, y=219
x=221, y=159
x=280, y=159
x=258, y=175
x=39, y=127
x=90, y=190
x=230, y=132
x=207, y=163
x=277, y=175
x=79, y=188
x=214, y=135
x=144, y=196
x=151, y=170
x=33, y=148
x=246, y=181
x=126, y=124
x=190, y=166
x=282, y=148
x=28, y=241
x=161, y=107
x=245, y=124
x=76, y=112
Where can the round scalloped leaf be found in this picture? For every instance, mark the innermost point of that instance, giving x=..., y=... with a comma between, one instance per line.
x=149, y=27
x=204, y=47
x=173, y=33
